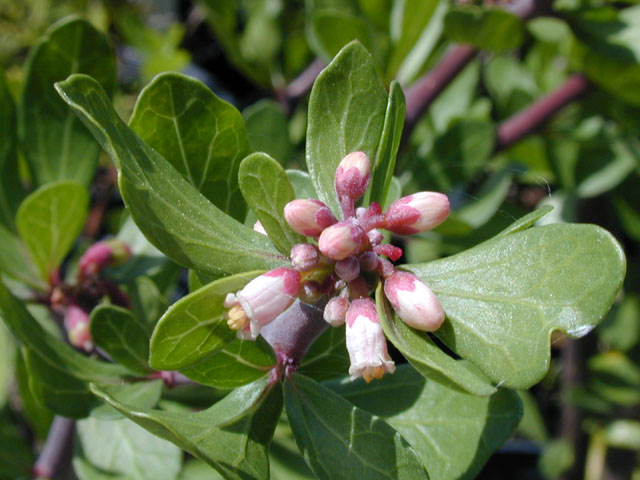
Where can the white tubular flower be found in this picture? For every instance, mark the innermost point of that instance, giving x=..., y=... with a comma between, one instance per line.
x=366, y=343
x=413, y=301
x=261, y=301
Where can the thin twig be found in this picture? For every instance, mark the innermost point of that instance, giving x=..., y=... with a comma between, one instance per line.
x=55, y=447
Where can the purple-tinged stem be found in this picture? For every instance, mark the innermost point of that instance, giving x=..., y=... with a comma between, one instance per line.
x=292, y=333
x=55, y=447
x=537, y=114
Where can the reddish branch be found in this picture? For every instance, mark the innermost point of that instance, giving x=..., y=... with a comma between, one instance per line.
x=55, y=448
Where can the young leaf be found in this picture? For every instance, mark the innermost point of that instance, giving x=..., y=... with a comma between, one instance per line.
x=49, y=220
x=504, y=298
x=119, y=333
x=122, y=447
x=453, y=433
x=232, y=436
x=239, y=363
x=202, y=136
x=56, y=144
x=341, y=441
x=195, y=326
x=267, y=190
x=385, y=160
x=426, y=357
x=168, y=209
x=346, y=114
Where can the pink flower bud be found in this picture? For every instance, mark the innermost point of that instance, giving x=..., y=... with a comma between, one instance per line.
x=341, y=240
x=366, y=343
x=101, y=254
x=335, y=311
x=352, y=175
x=417, y=213
x=308, y=216
x=348, y=269
x=413, y=301
x=262, y=300
x=76, y=322
x=304, y=256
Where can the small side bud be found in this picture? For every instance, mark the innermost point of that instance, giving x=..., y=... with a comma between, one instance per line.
x=348, y=269
x=417, y=213
x=413, y=301
x=304, y=257
x=111, y=252
x=353, y=175
x=341, y=240
x=76, y=322
x=335, y=311
x=366, y=343
x=308, y=216
x=261, y=301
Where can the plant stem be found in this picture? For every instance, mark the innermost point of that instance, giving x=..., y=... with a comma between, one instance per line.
x=533, y=117
x=55, y=447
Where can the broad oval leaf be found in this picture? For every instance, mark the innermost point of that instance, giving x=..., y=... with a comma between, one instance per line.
x=232, y=436
x=119, y=333
x=340, y=441
x=426, y=357
x=49, y=220
x=195, y=326
x=346, y=114
x=504, y=298
x=171, y=213
x=56, y=144
x=453, y=433
x=239, y=363
x=267, y=190
x=202, y=136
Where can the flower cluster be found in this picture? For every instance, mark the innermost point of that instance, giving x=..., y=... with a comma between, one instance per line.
x=344, y=264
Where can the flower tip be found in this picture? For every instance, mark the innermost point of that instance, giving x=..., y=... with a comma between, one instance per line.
x=417, y=213
x=414, y=302
x=308, y=217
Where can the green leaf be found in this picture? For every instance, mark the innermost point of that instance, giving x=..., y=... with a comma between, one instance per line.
x=195, y=326
x=268, y=130
x=339, y=440
x=623, y=434
x=487, y=200
x=385, y=160
x=49, y=220
x=615, y=377
x=16, y=261
x=122, y=447
x=195, y=469
x=119, y=333
x=426, y=357
x=302, y=184
x=85, y=471
x=142, y=394
x=332, y=30
x=7, y=355
x=486, y=28
x=37, y=415
x=232, y=436
x=621, y=329
x=238, y=364
x=285, y=459
x=267, y=190
x=504, y=297
x=453, y=433
x=527, y=220
x=327, y=357
x=16, y=457
x=202, y=136
x=51, y=350
x=170, y=212
x=11, y=191
x=56, y=144
x=531, y=424
x=346, y=114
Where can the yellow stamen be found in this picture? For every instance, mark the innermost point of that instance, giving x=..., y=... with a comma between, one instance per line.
x=237, y=318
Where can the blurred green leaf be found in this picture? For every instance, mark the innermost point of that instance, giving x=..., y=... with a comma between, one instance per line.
x=49, y=220
x=268, y=130
x=37, y=415
x=532, y=422
x=487, y=28
x=15, y=260
x=232, y=436
x=195, y=326
x=202, y=136
x=341, y=441
x=119, y=333
x=266, y=189
x=195, y=469
x=16, y=457
x=426, y=357
x=623, y=434
x=122, y=447
x=487, y=200
x=615, y=377
x=168, y=209
x=346, y=114
x=302, y=184
x=504, y=298
x=7, y=355
x=453, y=433
x=556, y=458
x=621, y=329
x=142, y=394
x=56, y=144
x=327, y=357
x=10, y=184
x=333, y=30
